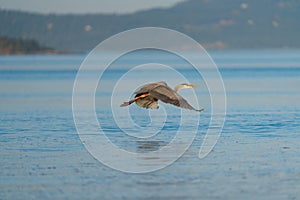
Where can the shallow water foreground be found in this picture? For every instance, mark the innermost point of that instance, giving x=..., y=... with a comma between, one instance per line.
x=256, y=157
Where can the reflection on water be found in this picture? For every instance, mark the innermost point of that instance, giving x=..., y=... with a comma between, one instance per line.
x=147, y=146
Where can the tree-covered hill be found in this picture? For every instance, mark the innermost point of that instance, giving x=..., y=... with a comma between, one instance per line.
x=214, y=23
x=20, y=46
x=24, y=46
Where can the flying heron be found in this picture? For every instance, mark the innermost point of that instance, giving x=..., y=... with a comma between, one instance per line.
x=148, y=96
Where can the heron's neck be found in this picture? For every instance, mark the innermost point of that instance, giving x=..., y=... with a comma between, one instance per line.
x=178, y=87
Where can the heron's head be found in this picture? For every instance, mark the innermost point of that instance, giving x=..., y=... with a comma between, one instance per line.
x=184, y=85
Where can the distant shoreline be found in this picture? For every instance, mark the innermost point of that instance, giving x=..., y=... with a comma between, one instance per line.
x=49, y=52
x=20, y=46
x=215, y=25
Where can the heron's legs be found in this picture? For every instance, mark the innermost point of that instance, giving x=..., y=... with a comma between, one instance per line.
x=133, y=100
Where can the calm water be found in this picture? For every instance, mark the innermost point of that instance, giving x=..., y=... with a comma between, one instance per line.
x=256, y=157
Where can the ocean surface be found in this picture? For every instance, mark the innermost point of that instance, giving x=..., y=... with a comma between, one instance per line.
x=257, y=155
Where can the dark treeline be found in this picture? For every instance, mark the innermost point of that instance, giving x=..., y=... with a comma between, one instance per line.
x=213, y=23
x=20, y=46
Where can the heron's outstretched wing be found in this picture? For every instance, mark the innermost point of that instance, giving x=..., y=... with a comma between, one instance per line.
x=147, y=102
x=167, y=95
x=148, y=87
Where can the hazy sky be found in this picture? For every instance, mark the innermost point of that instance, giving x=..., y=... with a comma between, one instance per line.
x=85, y=6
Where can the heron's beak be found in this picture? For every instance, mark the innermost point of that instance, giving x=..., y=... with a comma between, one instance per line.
x=193, y=86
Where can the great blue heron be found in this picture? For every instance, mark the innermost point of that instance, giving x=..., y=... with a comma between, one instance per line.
x=148, y=96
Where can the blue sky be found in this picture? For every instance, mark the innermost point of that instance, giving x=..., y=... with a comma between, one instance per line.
x=85, y=6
